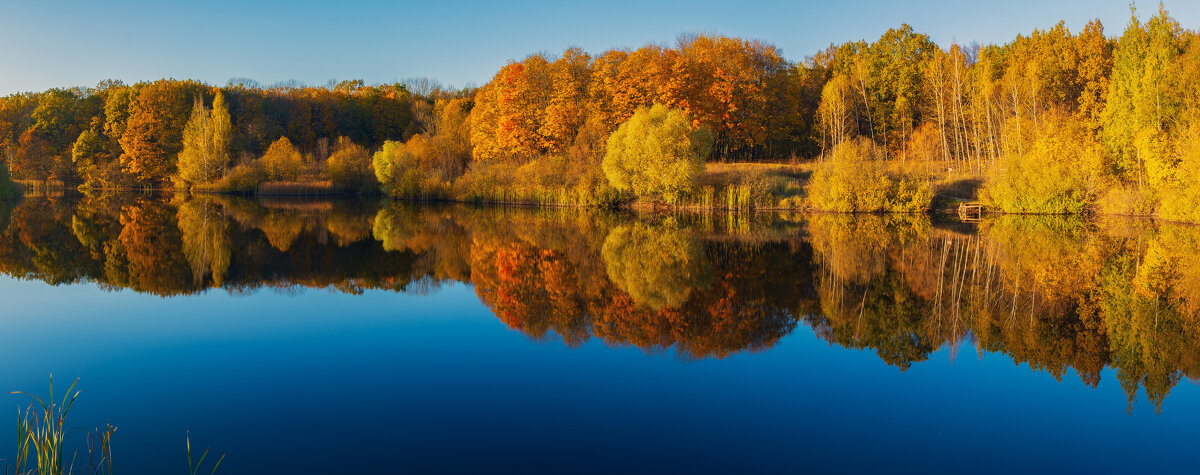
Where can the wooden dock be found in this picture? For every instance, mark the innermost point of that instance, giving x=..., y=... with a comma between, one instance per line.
x=970, y=212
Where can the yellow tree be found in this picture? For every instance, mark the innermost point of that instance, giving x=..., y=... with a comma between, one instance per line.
x=282, y=161
x=1095, y=65
x=206, y=139
x=658, y=151
x=835, y=112
x=349, y=167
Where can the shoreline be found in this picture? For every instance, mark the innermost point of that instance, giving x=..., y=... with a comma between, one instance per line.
x=632, y=206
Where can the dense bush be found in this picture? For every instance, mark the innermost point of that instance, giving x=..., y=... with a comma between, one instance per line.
x=544, y=180
x=1127, y=201
x=1053, y=172
x=244, y=178
x=349, y=167
x=398, y=168
x=853, y=179
x=1180, y=199
x=428, y=163
x=657, y=152
x=282, y=161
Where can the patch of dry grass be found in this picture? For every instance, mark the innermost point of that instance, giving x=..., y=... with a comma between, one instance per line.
x=297, y=188
x=721, y=175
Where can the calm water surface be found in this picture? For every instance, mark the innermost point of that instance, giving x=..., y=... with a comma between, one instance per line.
x=299, y=336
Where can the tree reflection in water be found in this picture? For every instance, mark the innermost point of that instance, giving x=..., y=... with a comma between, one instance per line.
x=1052, y=292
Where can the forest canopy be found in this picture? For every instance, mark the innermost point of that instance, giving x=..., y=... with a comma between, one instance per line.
x=1054, y=121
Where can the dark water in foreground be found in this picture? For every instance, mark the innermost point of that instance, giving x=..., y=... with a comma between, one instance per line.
x=361, y=337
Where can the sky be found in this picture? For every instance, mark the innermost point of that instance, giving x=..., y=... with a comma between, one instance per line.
x=67, y=43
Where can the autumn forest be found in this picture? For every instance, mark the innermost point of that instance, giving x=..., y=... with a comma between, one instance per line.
x=698, y=255
x=1053, y=122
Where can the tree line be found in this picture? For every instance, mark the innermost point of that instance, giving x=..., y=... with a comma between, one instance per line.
x=124, y=136
x=1052, y=122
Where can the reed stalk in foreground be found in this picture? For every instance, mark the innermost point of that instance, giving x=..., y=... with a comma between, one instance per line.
x=41, y=434
x=194, y=468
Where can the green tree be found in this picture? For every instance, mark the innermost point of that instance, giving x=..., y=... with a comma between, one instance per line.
x=1140, y=102
x=55, y=119
x=222, y=132
x=657, y=152
x=94, y=153
x=398, y=167
x=116, y=110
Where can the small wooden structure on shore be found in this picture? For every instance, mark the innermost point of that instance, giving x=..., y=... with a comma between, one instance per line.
x=970, y=212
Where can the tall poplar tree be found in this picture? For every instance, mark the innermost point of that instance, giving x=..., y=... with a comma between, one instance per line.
x=205, y=142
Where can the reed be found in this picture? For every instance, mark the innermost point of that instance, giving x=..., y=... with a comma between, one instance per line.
x=194, y=468
x=41, y=437
x=100, y=450
x=41, y=431
x=298, y=188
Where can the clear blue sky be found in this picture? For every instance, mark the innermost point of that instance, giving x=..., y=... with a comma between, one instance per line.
x=49, y=43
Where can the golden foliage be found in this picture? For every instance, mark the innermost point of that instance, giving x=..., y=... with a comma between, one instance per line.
x=1057, y=172
x=282, y=161
x=855, y=180
x=350, y=167
x=658, y=151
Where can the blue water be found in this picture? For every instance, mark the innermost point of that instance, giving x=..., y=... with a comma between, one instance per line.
x=316, y=381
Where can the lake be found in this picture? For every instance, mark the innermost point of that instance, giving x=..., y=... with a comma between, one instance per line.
x=362, y=336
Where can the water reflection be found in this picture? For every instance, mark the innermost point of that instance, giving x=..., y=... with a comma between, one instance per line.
x=1054, y=293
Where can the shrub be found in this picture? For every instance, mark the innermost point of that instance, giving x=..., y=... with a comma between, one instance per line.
x=1126, y=201
x=657, y=152
x=244, y=178
x=1056, y=173
x=282, y=161
x=544, y=180
x=853, y=180
x=398, y=167
x=350, y=168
